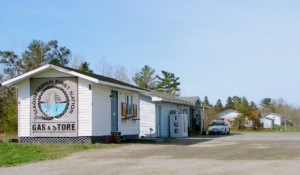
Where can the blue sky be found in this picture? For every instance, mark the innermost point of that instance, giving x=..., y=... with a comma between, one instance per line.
x=217, y=48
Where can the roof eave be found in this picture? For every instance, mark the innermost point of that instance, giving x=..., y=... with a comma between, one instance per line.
x=29, y=74
x=49, y=66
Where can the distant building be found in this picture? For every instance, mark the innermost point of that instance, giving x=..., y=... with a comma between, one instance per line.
x=277, y=118
x=268, y=123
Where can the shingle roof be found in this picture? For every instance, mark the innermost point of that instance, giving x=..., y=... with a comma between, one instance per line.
x=103, y=78
x=191, y=99
x=254, y=112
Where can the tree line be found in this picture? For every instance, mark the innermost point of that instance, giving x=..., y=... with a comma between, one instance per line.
x=290, y=113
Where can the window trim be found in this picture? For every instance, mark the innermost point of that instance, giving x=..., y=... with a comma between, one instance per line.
x=127, y=105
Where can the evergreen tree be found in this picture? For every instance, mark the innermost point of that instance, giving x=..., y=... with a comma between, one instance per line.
x=85, y=67
x=206, y=102
x=145, y=78
x=266, y=104
x=244, y=105
x=252, y=106
x=243, y=110
x=13, y=64
x=229, y=103
x=59, y=55
x=8, y=109
x=219, y=105
x=168, y=83
x=36, y=55
x=236, y=100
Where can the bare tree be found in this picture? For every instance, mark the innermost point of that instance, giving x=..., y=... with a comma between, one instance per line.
x=77, y=60
x=104, y=68
x=118, y=72
x=121, y=74
x=288, y=111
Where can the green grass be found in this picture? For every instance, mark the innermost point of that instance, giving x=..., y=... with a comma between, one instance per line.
x=248, y=130
x=15, y=153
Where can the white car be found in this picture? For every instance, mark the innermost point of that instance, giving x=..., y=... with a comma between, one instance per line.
x=219, y=127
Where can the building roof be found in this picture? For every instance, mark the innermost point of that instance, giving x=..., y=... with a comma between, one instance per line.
x=191, y=99
x=254, y=112
x=161, y=96
x=272, y=114
x=89, y=76
x=268, y=118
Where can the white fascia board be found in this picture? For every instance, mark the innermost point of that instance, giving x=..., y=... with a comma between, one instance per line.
x=95, y=80
x=24, y=76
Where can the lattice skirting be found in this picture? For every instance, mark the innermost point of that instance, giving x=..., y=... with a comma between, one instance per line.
x=69, y=140
x=55, y=140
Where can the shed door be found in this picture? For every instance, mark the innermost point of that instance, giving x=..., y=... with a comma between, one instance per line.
x=114, y=111
x=159, y=121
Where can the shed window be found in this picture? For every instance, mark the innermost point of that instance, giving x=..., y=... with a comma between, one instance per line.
x=129, y=107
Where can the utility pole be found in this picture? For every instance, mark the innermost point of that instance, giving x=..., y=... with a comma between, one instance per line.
x=285, y=123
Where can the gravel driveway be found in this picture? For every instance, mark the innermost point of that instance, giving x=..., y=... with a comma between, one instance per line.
x=249, y=153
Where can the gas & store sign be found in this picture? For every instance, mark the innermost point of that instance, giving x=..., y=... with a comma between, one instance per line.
x=53, y=107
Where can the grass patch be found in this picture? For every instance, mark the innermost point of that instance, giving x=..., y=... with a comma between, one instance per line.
x=14, y=153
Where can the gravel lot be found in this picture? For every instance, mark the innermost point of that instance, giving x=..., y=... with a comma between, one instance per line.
x=247, y=153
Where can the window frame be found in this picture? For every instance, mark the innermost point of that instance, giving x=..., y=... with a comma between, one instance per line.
x=129, y=106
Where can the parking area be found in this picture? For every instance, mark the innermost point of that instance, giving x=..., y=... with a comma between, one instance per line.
x=247, y=153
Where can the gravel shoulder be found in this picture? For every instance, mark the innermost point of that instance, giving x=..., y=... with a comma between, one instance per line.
x=247, y=153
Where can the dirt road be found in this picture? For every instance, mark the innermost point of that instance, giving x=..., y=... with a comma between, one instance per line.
x=249, y=153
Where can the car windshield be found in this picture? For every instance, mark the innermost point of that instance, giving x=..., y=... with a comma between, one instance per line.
x=217, y=124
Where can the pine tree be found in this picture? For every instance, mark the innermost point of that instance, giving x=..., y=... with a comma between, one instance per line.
x=236, y=100
x=145, y=78
x=219, y=105
x=168, y=83
x=206, y=102
x=85, y=67
x=252, y=106
x=229, y=103
x=59, y=55
x=266, y=104
x=36, y=55
x=13, y=64
x=244, y=105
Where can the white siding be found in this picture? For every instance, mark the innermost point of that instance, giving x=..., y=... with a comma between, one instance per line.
x=267, y=123
x=165, y=112
x=52, y=73
x=277, y=120
x=148, y=118
x=101, y=124
x=24, y=108
x=128, y=127
x=84, y=108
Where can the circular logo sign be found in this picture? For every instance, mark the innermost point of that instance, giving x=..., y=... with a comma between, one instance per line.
x=53, y=102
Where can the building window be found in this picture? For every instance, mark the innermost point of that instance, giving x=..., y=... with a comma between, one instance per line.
x=129, y=107
x=184, y=111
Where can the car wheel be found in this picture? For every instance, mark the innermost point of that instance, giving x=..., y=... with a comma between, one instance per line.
x=228, y=131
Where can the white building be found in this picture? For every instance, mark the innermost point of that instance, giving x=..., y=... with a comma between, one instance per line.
x=155, y=110
x=277, y=118
x=268, y=123
x=229, y=114
x=59, y=104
